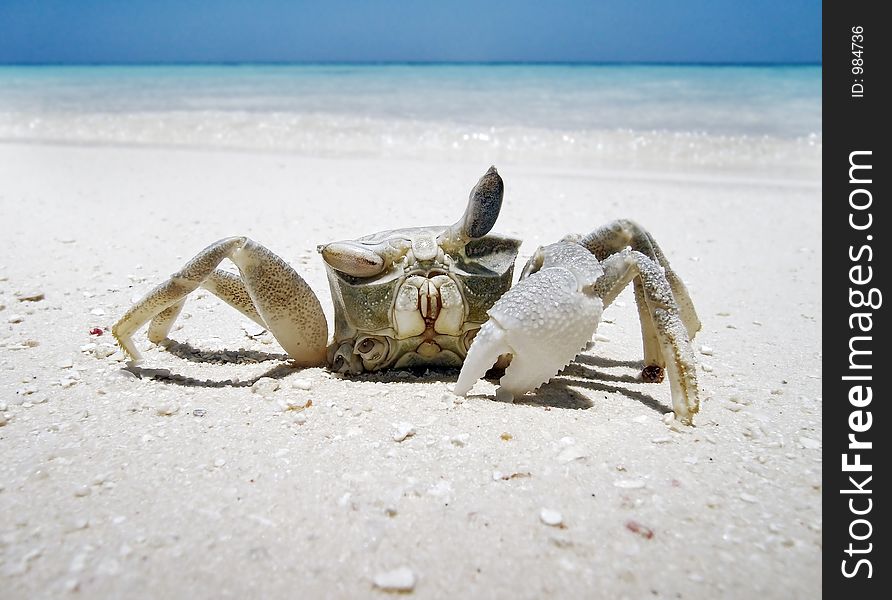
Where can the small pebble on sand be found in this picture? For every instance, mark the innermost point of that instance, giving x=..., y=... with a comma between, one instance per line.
x=706, y=350
x=642, y=530
x=15, y=318
x=167, y=408
x=629, y=484
x=302, y=384
x=571, y=453
x=397, y=580
x=403, y=431
x=104, y=351
x=551, y=517
x=30, y=296
x=809, y=443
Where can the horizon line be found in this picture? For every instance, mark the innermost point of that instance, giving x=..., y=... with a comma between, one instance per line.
x=235, y=63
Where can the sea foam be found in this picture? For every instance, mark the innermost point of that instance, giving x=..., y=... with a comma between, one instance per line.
x=612, y=117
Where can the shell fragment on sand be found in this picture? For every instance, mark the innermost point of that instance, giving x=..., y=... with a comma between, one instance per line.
x=551, y=517
x=401, y=579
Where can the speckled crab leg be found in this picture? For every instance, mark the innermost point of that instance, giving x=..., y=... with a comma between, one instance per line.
x=623, y=233
x=664, y=314
x=229, y=287
x=269, y=291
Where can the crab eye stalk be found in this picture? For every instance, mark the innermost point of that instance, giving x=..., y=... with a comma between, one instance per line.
x=480, y=216
x=352, y=259
x=484, y=205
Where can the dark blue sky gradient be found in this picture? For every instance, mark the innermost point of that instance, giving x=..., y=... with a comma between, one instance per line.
x=134, y=31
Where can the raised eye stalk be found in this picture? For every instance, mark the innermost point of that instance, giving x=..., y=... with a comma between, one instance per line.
x=480, y=216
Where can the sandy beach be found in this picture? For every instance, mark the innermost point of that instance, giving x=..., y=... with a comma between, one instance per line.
x=218, y=470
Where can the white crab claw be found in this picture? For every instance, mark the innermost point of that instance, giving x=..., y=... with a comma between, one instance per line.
x=543, y=322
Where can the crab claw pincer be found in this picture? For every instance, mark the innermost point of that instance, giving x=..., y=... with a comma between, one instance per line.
x=543, y=322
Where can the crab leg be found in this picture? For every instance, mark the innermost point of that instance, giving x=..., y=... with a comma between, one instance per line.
x=665, y=318
x=230, y=288
x=623, y=233
x=269, y=291
x=227, y=286
x=161, y=323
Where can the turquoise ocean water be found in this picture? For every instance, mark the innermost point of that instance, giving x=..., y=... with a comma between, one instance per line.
x=577, y=115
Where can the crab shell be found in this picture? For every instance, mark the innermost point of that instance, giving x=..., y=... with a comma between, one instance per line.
x=425, y=305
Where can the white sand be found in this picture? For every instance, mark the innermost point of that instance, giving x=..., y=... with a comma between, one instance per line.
x=110, y=486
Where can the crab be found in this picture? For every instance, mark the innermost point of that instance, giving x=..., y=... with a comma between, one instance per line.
x=442, y=296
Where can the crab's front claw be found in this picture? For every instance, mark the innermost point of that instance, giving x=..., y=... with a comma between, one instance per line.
x=543, y=322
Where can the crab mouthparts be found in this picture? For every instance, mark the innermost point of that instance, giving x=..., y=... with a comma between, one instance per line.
x=428, y=305
x=428, y=349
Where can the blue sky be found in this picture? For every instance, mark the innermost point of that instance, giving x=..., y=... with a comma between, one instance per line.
x=126, y=31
